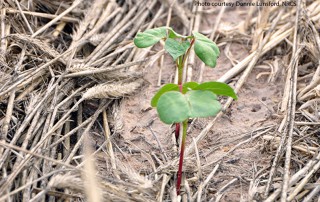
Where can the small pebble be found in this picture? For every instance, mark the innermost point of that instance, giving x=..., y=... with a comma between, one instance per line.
x=255, y=108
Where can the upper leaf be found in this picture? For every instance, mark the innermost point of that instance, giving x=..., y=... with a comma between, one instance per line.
x=173, y=107
x=218, y=88
x=166, y=88
x=176, y=48
x=150, y=37
x=173, y=34
x=206, y=49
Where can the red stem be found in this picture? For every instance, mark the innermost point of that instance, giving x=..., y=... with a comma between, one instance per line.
x=183, y=143
x=177, y=132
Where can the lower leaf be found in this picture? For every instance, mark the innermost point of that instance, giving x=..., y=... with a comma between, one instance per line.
x=175, y=107
x=202, y=104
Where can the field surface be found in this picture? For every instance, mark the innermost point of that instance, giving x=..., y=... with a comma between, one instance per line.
x=76, y=122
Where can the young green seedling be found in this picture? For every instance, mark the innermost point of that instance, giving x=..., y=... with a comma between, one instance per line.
x=176, y=103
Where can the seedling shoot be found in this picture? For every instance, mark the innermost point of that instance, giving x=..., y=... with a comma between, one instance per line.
x=177, y=103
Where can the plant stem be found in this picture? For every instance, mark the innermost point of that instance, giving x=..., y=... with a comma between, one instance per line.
x=180, y=78
x=183, y=142
x=180, y=64
x=177, y=132
x=185, y=56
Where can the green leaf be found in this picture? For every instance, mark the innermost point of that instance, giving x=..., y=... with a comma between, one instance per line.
x=174, y=35
x=218, y=88
x=150, y=37
x=176, y=48
x=172, y=87
x=173, y=107
x=206, y=49
x=189, y=86
x=166, y=88
x=202, y=103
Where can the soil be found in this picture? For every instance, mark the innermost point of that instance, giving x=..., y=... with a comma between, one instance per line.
x=39, y=141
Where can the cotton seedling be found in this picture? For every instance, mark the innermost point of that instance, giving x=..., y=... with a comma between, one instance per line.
x=177, y=103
